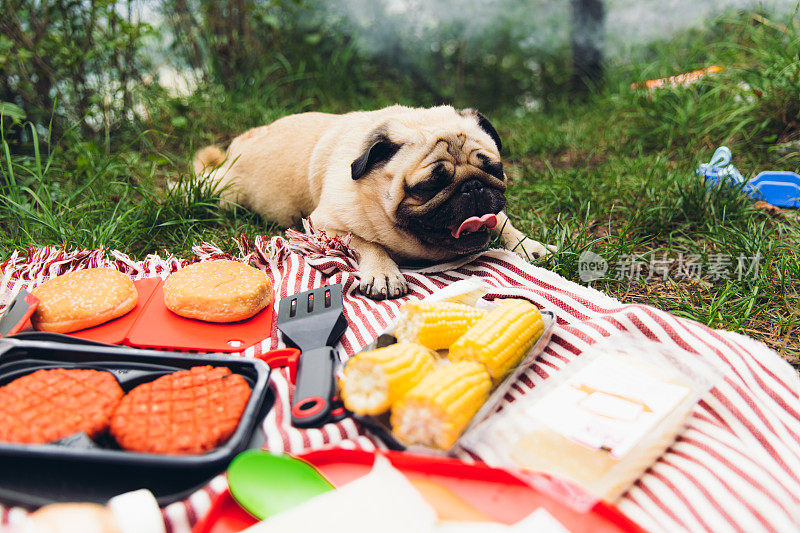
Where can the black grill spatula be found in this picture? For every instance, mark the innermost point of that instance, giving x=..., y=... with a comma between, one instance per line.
x=313, y=321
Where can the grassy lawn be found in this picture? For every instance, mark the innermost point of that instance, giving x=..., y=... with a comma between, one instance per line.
x=612, y=174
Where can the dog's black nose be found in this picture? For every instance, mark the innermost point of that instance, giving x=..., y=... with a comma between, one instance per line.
x=473, y=185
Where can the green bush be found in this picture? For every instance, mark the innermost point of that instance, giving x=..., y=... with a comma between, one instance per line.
x=74, y=62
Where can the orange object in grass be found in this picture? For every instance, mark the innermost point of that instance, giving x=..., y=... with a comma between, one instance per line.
x=687, y=78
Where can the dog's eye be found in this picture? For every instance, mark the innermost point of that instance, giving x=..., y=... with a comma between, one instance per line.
x=438, y=180
x=440, y=176
x=495, y=168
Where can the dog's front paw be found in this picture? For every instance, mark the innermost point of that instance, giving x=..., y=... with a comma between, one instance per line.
x=530, y=249
x=383, y=284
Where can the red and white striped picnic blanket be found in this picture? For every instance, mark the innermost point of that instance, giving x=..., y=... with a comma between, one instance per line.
x=736, y=467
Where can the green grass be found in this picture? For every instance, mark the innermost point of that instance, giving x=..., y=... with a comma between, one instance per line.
x=83, y=197
x=613, y=175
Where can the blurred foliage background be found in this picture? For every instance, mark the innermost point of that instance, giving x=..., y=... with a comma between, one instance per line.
x=94, y=64
x=109, y=69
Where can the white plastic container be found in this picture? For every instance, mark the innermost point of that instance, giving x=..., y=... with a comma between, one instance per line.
x=602, y=420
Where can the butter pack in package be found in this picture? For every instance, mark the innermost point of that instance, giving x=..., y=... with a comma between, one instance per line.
x=602, y=420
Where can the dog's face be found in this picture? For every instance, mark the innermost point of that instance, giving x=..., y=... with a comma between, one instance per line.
x=437, y=175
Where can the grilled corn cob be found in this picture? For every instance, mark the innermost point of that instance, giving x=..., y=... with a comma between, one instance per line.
x=501, y=339
x=375, y=379
x=439, y=408
x=436, y=325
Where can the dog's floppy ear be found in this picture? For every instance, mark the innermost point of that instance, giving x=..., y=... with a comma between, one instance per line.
x=379, y=151
x=485, y=125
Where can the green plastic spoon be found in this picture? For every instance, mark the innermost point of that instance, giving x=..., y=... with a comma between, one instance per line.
x=266, y=484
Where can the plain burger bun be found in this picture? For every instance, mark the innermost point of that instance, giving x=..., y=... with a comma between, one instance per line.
x=217, y=291
x=83, y=299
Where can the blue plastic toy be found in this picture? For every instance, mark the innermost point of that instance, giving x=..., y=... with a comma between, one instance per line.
x=779, y=188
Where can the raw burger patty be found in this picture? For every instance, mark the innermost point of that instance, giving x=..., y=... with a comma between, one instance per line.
x=49, y=405
x=188, y=412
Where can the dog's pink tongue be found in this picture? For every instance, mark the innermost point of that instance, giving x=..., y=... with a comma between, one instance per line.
x=473, y=224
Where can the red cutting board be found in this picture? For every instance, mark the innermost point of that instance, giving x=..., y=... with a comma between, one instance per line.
x=493, y=491
x=158, y=327
x=116, y=331
x=151, y=325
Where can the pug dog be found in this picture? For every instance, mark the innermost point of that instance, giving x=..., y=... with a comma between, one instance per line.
x=409, y=185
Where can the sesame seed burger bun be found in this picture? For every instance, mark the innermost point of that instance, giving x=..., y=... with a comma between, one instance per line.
x=217, y=291
x=83, y=299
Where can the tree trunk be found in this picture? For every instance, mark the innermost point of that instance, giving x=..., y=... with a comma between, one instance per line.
x=586, y=40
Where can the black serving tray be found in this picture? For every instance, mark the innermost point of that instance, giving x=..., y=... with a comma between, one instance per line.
x=76, y=469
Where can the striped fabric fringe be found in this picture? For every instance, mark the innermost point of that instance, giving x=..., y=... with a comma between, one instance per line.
x=736, y=467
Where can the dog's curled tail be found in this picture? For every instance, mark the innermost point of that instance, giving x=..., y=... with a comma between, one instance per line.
x=207, y=158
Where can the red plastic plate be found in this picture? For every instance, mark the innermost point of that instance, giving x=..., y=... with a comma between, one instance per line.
x=492, y=491
x=495, y=492
x=224, y=516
